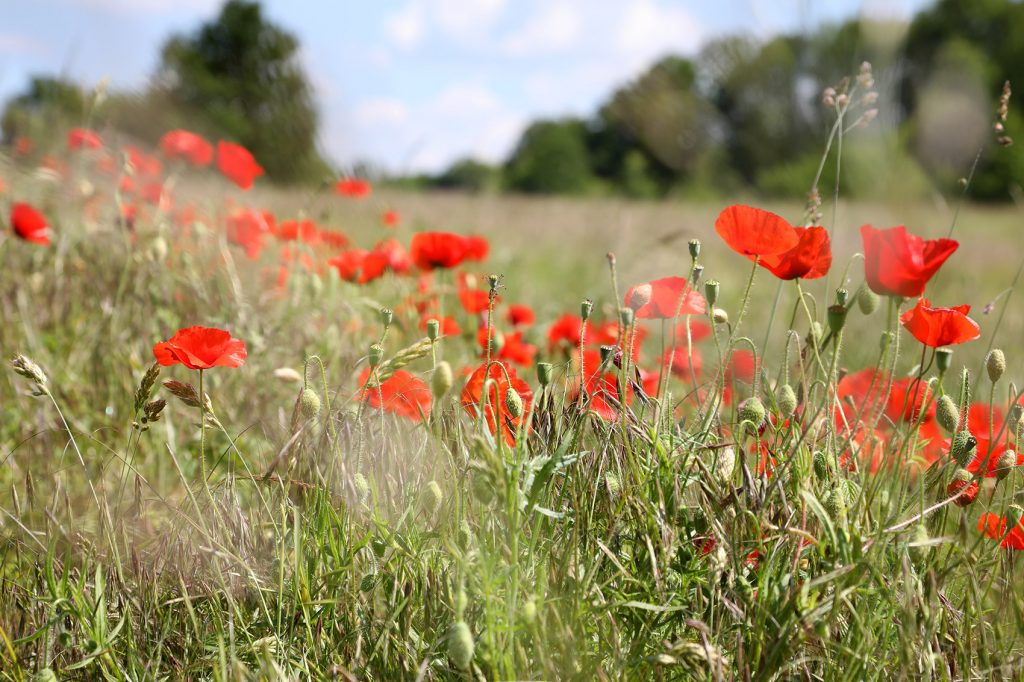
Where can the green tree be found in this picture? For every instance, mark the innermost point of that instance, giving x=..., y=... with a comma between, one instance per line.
x=47, y=104
x=470, y=175
x=551, y=158
x=240, y=75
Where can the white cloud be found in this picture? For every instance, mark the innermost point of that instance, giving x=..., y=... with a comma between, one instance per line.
x=381, y=112
x=648, y=29
x=406, y=27
x=555, y=29
x=466, y=22
x=148, y=6
x=463, y=100
x=15, y=44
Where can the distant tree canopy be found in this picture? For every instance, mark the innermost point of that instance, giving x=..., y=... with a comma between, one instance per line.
x=47, y=104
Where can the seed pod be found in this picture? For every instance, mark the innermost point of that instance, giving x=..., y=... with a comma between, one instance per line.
x=640, y=297
x=962, y=447
x=375, y=355
x=842, y=296
x=995, y=364
x=460, y=645
x=433, y=329
x=1005, y=464
x=867, y=301
x=586, y=307
x=694, y=246
x=711, y=288
x=386, y=317
x=544, y=372
x=836, y=318
x=752, y=410
x=513, y=403
x=947, y=414
x=28, y=369
x=626, y=317
x=442, y=380
x=786, y=400
x=309, y=403
x=943, y=359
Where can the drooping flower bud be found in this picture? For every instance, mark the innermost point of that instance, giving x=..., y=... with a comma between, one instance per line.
x=867, y=301
x=442, y=380
x=719, y=316
x=995, y=364
x=309, y=403
x=962, y=447
x=1005, y=464
x=514, y=403
x=947, y=414
x=752, y=410
x=786, y=400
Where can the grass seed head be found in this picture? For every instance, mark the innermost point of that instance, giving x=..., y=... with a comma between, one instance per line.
x=28, y=369
x=432, y=497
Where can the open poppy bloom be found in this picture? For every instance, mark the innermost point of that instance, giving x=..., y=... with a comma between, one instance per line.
x=496, y=411
x=667, y=294
x=936, y=327
x=520, y=314
x=404, y=394
x=186, y=145
x=30, y=224
x=237, y=164
x=994, y=527
x=811, y=258
x=755, y=232
x=201, y=348
x=354, y=188
x=477, y=248
x=566, y=331
x=431, y=250
x=246, y=228
x=83, y=138
x=897, y=263
x=390, y=218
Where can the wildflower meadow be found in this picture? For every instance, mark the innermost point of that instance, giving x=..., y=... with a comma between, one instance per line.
x=353, y=433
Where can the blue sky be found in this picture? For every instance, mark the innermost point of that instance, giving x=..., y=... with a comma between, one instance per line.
x=415, y=84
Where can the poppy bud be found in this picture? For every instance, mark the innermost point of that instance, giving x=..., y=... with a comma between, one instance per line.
x=963, y=484
x=386, y=317
x=1005, y=464
x=375, y=355
x=514, y=403
x=835, y=503
x=787, y=400
x=641, y=296
x=626, y=317
x=1016, y=413
x=947, y=414
x=995, y=364
x=492, y=282
x=361, y=486
x=842, y=296
x=1013, y=516
x=836, y=318
x=432, y=497
x=460, y=645
x=433, y=328
x=464, y=535
x=442, y=380
x=752, y=410
x=720, y=316
x=309, y=403
x=824, y=465
x=586, y=307
x=962, y=447
x=867, y=301
x=711, y=288
x=694, y=246
x=544, y=372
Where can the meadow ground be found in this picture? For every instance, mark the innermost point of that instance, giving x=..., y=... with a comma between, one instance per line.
x=336, y=540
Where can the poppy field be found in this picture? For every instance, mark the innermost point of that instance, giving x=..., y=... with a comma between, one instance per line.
x=352, y=433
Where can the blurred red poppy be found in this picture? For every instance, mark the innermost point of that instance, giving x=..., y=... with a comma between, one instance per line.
x=994, y=527
x=201, y=348
x=897, y=263
x=247, y=228
x=23, y=146
x=357, y=265
x=30, y=224
x=477, y=248
x=667, y=294
x=755, y=232
x=403, y=393
x=394, y=255
x=430, y=250
x=83, y=138
x=513, y=348
x=186, y=145
x=447, y=325
x=390, y=218
x=474, y=301
x=679, y=363
x=496, y=411
x=354, y=188
x=143, y=165
x=236, y=164
x=565, y=331
x=519, y=314
x=811, y=258
x=935, y=327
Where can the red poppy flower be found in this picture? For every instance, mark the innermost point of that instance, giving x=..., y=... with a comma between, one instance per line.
x=477, y=248
x=144, y=165
x=355, y=188
x=201, y=348
x=334, y=239
x=897, y=263
x=394, y=255
x=30, y=224
x=754, y=232
x=679, y=363
x=968, y=491
x=496, y=412
x=994, y=527
x=811, y=258
x=356, y=265
x=937, y=327
x=391, y=218
x=430, y=250
x=83, y=138
x=666, y=295
x=565, y=331
x=513, y=348
x=237, y=164
x=907, y=397
x=23, y=146
x=519, y=314
x=186, y=145
x=474, y=301
x=246, y=228
x=404, y=394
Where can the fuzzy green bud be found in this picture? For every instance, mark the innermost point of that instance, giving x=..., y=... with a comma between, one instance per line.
x=694, y=247
x=586, y=307
x=386, y=317
x=836, y=318
x=943, y=359
x=867, y=301
x=544, y=373
x=947, y=414
x=514, y=403
x=824, y=465
x=1014, y=513
x=711, y=288
x=432, y=497
x=752, y=410
x=626, y=317
x=442, y=380
x=835, y=503
x=433, y=329
x=309, y=403
x=464, y=535
x=962, y=447
x=995, y=364
x=786, y=400
x=375, y=355
x=460, y=645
